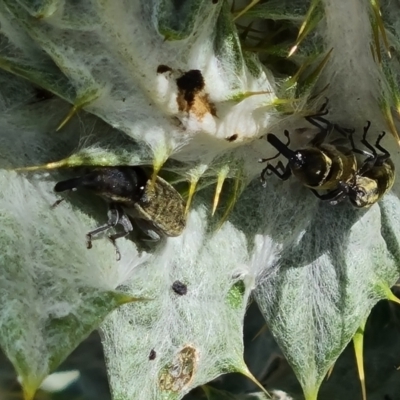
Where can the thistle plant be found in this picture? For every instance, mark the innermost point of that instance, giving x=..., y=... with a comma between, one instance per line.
x=188, y=90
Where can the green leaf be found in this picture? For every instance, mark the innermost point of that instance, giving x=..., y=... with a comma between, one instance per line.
x=179, y=20
x=23, y=57
x=327, y=277
x=215, y=394
x=52, y=297
x=279, y=10
x=193, y=337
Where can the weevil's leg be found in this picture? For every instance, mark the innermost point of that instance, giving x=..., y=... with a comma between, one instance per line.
x=367, y=165
x=339, y=198
x=318, y=116
x=375, y=158
x=334, y=196
x=126, y=223
x=321, y=136
x=344, y=131
x=148, y=229
x=318, y=121
x=365, y=142
x=386, y=155
x=279, y=165
x=359, y=151
x=323, y=110
x=378, y=145
x=279, y=170
x=113, y=219
x=348, y=133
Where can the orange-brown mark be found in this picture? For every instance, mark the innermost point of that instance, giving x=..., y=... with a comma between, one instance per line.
x=191, y=97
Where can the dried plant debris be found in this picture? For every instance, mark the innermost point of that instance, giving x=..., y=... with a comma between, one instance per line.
x=179, y=373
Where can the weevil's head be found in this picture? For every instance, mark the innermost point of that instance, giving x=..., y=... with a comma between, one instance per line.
x=115, y=184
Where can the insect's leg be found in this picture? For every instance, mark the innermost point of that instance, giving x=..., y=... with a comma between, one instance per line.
x=338, y=198
x=113, y=219
x=148, y=228
x=323, y=110
x=279, y=170
x=374, y=158
x=324, y=132
x=365, y=142
x=386, y=155
x=379, y=147
x=334, y=196
x=348, y=133
x=367, y=165
x=317, y=120
x=344, y=131
x=126, y=223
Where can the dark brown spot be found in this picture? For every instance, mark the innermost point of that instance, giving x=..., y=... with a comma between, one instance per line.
x=152, y=355
x=189, y=84
x=163, y=68
x=179, y=288
x=41, y=94
x=232, y=138
x=214, y=1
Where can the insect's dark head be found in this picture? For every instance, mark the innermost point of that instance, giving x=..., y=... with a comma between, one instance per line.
x=116, y=184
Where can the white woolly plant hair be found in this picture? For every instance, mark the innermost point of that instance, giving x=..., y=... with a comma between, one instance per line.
x=316, y=270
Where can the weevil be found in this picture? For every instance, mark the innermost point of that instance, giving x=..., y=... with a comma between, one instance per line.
x=158, y=209
x=373, y=179
x=318, y=165
x=333, y=166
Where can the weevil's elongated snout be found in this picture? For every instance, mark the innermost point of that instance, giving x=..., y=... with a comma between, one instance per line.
x=280, y=146
x=116, y=184
x=69, y=184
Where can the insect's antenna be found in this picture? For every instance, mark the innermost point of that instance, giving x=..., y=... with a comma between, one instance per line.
x=280, y=146
x=286, y=133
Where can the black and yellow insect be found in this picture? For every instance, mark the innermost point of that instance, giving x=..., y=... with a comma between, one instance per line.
x=333, y=165
x=373, y=179
x=320, y=164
